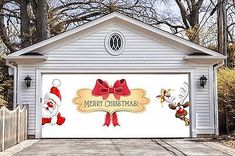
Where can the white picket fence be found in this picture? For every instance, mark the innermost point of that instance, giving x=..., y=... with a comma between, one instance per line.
x=13, y=126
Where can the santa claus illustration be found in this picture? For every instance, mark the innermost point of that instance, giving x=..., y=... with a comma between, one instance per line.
x=51, y=104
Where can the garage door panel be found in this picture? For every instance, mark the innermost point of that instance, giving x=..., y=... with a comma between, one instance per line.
x=152, y=118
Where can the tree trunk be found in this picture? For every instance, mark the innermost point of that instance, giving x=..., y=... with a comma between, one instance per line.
x=194, y=23
x=41, y=15
x=25, y=24
x=222, y=37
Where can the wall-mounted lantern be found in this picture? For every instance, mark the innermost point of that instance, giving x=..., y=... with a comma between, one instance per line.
x=27, y=81
x=203, y=80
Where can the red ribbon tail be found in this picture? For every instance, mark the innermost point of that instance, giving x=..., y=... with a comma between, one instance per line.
x=115, y=119
x=107, y=119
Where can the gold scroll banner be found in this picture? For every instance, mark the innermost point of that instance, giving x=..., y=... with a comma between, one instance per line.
x=135, y=102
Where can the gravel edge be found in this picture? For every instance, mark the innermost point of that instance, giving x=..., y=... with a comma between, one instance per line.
x=17, y=148
x=220, y=147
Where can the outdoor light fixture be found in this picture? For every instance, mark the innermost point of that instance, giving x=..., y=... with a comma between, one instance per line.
x=203, y=80
x=27, y=81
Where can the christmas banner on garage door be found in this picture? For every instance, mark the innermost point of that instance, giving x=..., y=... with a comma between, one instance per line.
x=111, y=99
x=115, y=105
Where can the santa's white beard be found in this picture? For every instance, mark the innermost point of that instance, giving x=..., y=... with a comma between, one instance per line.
x=49, y=113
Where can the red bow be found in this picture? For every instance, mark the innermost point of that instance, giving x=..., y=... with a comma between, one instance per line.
x=111, y=117
x=119, y=89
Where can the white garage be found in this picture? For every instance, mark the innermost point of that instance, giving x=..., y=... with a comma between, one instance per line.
x=116, y=77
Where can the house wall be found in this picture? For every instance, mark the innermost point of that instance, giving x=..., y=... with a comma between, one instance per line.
x=204, y=101
x=142, y=53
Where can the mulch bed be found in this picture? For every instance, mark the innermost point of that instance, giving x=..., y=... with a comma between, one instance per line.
x=225, y=140
x=228, y=141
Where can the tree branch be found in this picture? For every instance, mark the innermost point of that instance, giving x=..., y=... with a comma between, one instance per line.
x=183, y=13
x=9, y=15
x=3, y=33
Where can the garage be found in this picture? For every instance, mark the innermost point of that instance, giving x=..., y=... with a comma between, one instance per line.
x=116, y=77
x=87, y=116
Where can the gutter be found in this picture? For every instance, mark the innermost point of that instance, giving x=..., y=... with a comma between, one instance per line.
x=15, y=81
x=216, y=118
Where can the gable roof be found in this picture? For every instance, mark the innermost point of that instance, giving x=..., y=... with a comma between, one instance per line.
x=165, y=36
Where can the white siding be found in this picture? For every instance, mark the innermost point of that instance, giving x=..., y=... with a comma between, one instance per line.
x=28, y=95
x=141, y=52
x=204, y=103
x=89, y=52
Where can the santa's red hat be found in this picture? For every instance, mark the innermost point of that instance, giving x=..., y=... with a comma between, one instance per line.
x=54, y=92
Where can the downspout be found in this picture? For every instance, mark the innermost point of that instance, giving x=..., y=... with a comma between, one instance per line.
x=216, y=121
x=15, y=82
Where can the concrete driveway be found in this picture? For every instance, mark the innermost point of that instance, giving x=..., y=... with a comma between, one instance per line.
x=120, y=147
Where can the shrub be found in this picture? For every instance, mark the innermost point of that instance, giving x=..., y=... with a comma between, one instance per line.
x=231, y=55
x=6, y=85
x=226, y=95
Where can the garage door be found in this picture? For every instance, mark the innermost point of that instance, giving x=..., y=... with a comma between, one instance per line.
x=115, y=105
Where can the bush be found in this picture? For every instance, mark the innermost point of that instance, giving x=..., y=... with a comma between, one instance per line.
x=231, y=55
x=226, y=95
x=6, y=86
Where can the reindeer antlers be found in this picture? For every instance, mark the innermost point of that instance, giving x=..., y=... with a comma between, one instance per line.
x=184, y=93
x=166, y=95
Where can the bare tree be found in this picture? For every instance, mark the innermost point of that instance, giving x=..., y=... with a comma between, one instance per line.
x=40, y=9
x=231, y=21
x=24, y=24
x=3, y=30
x=30, y=21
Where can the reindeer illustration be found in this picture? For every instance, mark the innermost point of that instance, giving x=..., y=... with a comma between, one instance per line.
x=180, y=106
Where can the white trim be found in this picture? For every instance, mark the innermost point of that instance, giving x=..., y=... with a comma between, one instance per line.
x=40, y=72
x=211, y=93
x=117, y=16
x=38, y=122
x=26, y=59
x=193, y=106
x=114, y=71
x=127, y=71
x=205, y=59
x=215, y=85
x=3, y=127
x=19, y=86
